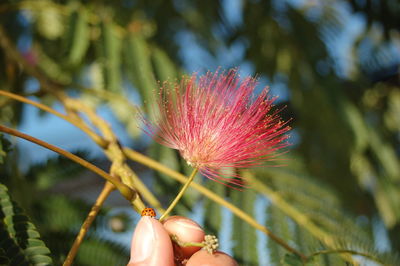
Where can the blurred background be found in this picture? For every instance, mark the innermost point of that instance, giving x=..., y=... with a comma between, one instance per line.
x=334, y=64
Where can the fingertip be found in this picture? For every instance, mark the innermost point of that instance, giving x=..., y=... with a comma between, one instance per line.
x=186, y=230
x=151, y=244
x=218, y=258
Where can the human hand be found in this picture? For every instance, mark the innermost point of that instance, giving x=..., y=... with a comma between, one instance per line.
x=152, y=245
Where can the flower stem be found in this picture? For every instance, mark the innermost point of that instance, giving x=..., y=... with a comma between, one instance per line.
x=107, y=189
x=176, y=240
x=180, y=194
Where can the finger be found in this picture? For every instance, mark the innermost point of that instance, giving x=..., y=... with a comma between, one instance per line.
x=187, y=231
x=218, y=258
x=151, y=244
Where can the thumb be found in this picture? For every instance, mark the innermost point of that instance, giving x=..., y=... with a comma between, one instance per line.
x=151, y=244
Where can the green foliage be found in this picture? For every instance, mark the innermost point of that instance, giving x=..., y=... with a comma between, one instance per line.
x=79, y=37
x=46, y=175
x=244, y=236
x=307, y=213
x=60, y=217
x=5, y=147
x=292, y=260
x=139, y=67
x=20, y=242
x=102, y=253
x=213, y=212
x=279, y=223
x=110, y=56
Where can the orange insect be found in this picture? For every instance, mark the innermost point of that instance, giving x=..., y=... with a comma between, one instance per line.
x=149, y=212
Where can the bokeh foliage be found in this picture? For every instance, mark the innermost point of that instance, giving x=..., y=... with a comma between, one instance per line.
x=344, y=164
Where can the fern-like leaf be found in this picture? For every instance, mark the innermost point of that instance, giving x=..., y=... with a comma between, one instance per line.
x=20, y=242
x=314, y=210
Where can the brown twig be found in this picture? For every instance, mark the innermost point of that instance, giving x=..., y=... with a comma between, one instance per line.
x=96, y=138
x=127, y=192
x=113, y=151
x=107, y=189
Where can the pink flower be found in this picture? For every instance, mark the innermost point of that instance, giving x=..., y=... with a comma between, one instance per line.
x=219, y=123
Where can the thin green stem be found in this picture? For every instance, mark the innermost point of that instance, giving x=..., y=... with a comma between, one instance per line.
x=127, y=192
x=107, y=189
x=175, y=239
x=180, y=194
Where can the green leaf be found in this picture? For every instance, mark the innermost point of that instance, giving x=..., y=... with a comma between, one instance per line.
x=49, y=20
x=244, y=236
x=111, y=56
x=137, y=56
x=213, y=212
x=278, y=223
x=20, y=242
x=299, y=201
x=101, y=253
x=80, y=37
x=3, y=257
x=52, y=68
x=5, y=147
x=55, y=170
x=127, y=114
x=164, y=67
x=60, y=213
x=292, y=260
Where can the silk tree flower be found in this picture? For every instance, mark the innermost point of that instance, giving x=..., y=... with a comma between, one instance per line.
x=218, y=123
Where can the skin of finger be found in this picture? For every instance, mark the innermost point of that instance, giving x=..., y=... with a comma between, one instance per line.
x=203, y=258
x=186, y=230
x=151, y=244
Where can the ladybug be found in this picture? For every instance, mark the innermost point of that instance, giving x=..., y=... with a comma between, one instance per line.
x=149, y=212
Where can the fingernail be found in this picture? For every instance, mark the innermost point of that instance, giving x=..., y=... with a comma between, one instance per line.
x=143, y=241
